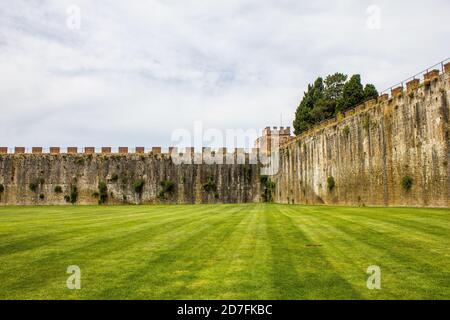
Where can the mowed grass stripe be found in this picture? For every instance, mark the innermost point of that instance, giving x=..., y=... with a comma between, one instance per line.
x=402, y=246
x=392, y=250
x=75, y=223
x=237, y=268
x=338, y=246
x=249, y=251
x=318, y=278
x=50, y=233
x=93, y=246
x=170, y=271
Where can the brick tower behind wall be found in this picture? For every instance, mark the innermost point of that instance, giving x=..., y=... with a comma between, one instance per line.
x=267, y=140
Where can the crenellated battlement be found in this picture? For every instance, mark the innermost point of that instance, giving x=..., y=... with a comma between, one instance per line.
x=282, y=131
x=271, y=138
x=122, y=151
x=187, y=155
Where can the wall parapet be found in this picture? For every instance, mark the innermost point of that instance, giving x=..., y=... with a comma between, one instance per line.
x=188, y=155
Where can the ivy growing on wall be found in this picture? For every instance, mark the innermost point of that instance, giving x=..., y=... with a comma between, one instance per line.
x=73, y=196
x=33, y=186
x=138, y=186
x=268, y=189
x=407, y=183
x=167, y=188
x=346, y=131
x=210, y=186
x=102, y=192
x=114, y=177
x=331, y=184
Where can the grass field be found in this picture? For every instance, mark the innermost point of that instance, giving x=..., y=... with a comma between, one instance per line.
x=224, y=252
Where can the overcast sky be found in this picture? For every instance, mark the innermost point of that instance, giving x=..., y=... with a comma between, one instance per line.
x=137, y=70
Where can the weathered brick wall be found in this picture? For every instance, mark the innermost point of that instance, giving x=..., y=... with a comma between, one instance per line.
x=368, y=153
x=235, y=183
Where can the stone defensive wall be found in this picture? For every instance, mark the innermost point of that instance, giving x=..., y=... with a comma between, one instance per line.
x=392, y=151
x=56, y=178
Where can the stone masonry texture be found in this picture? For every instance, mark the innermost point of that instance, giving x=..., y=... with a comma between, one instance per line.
x=369, y=153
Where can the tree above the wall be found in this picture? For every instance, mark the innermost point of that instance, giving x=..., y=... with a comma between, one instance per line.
x=326, y=98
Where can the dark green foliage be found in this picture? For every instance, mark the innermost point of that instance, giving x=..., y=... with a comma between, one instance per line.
x=124, y=178
x=366, y=122
x=352, y=94
x=41, y=196
x=370, y=92
x=103, y=192
x=73, y=194
x=138, y=186
x=334, y=86
x=58, y=189
x=326, y=98
x=210, y=185
x=95, y=194
x=102, y=187
x=33, y=186
x=269, y=188
x=2, y=188
x=331, y=184
x=114, y=177
x=167, y=187
x=346, y=130
x=303, y=115
x=407, y=183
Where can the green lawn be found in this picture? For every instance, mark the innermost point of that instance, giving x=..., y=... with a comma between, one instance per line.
x=250, y=251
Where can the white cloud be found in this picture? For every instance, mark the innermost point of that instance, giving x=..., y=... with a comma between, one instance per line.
x=137, y=70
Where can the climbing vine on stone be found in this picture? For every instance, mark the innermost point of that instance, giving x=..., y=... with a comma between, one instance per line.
x=167, y=188
x=268, y=189
x=210, y=186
